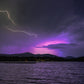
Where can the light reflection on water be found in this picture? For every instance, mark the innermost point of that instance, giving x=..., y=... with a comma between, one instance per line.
x=42, y=73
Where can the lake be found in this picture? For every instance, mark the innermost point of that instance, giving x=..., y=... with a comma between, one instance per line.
x=42, y=73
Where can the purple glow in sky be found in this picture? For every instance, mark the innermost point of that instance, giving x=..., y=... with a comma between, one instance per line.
x=38, y=47
x=61, y=39
x=57, y=24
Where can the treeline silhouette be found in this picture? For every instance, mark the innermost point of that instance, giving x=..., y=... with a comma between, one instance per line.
x=39, y=57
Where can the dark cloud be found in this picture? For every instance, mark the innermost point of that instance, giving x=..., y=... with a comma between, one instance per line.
x=60, y=46
x=45, y=15
x=48, y=19
x=74, y=51
x=79, y=7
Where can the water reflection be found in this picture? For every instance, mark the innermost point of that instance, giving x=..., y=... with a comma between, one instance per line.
x=42, y=73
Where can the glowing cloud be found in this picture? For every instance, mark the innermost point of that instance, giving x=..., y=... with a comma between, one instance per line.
x=39, y=49
x=50, y=42
x=42, y=48
x=43, y=51
x=62, y=38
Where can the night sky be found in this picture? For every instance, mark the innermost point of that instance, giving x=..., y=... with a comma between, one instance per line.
x=42, y=27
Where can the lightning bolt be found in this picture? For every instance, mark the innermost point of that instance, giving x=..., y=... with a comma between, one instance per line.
x=8, y=14
x=27, y=33
x=12, y=21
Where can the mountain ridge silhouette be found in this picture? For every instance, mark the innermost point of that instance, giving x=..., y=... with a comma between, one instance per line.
x=37, y=57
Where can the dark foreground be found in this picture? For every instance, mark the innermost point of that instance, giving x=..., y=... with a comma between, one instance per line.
x=42, y=73
x=25, y=57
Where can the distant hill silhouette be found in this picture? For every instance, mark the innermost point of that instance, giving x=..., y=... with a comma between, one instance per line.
x=37, y=57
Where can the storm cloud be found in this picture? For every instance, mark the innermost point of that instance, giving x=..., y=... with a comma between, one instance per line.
x=49, y=19
x=60, y=46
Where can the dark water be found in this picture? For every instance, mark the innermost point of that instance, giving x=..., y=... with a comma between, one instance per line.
x=42, y=73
